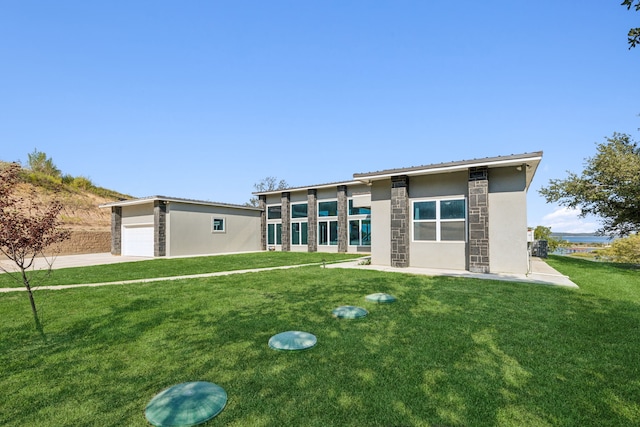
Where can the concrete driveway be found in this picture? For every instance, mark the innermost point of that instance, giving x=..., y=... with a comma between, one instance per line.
x=82, y=260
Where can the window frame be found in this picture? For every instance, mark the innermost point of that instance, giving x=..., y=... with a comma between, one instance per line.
x=275, y=224
x=302, y=222
x=438, y=221
x=360, y=218
x=223, y=220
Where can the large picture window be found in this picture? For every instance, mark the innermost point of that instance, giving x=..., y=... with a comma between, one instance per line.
x=299, y=233
x=328, y=233
x=359, y=225
x=358, y=211
x=328, y=227
x=299, y=226
x=274, y=234
x=328, y=208
x=440, y=220
x=274, y=212
x=360, y=232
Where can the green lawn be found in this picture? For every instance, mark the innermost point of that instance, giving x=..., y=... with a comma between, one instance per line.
x=450, y=352
x=174, y=267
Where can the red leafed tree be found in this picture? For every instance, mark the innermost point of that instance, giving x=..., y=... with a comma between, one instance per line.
x=27, y=228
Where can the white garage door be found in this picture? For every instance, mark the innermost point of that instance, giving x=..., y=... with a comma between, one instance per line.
x=137, y=240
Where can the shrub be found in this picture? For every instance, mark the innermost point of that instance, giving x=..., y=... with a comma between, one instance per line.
x=625, y=250
x=82, y=183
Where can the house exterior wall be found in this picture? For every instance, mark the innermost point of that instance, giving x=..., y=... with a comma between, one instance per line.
x=508, y=221
x=444, y=255
x=190, y=230
x=381, y=223
x=504, y=212
x=137, y=215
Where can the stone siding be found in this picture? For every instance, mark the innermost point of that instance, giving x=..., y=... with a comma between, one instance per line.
x=312, y=220
x=286, y=221
x=343, y=223
x=479, y=220
x=400, y=229
x=160, y=228
x=116, y=230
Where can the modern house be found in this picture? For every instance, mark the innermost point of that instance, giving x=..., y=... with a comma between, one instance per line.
x=467, y=215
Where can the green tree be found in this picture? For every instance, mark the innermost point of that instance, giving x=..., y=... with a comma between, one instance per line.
x=544, y=233
x=609, y=186
x=39, y=162
x=269, y=183
x=624, y=250
x=634, y=33
x=27, y=228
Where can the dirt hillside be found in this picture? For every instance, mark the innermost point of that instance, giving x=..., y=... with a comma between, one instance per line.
x=90, y=225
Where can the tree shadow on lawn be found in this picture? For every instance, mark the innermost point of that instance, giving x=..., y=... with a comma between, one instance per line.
x=449, y=352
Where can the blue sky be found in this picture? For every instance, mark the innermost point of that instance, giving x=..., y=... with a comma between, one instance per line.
x=202, y=99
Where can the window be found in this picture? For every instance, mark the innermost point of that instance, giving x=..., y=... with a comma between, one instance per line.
x=299, y=233
x=274, y=226
x=360, y=232
x=328, y=232
x=274, y=212
x=274, y=234
x=439, y=220
x=299, y=226
x=359, y=225
x=328, y=228
x=217, y=225
x=328, y=208
x=299, y=210
x=358, y=211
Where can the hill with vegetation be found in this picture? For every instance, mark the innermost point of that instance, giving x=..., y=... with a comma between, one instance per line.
x=90, y=225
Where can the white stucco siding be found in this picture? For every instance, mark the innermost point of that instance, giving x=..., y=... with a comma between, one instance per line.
x=507, y=221
x=442, y=185
x=138, y=214
x=190, y=230
x=444, y=255
x=381, y=223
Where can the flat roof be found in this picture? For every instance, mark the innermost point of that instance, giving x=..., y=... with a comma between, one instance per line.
x=309, y=187
x=528, y=160
x=151, y=199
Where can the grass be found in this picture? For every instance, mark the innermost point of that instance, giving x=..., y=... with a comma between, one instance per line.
x=175, y=267
x=449, y=352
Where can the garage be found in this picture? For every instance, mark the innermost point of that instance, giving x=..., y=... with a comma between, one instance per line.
x=137, y=240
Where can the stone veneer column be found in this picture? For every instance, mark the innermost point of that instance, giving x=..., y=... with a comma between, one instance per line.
x=286, y=221
x=159, y=228
x=479, y=220
x=262, y=204
x=116, y=230
x=400, y=229
x=312, y=220
x=343, y=223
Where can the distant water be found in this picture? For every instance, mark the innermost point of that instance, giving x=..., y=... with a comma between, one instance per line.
x=586, y=239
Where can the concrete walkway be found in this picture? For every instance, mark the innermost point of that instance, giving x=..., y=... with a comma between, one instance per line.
x=541, y=272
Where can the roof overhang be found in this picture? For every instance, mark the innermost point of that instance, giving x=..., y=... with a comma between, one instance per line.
x=308, y=187
x=527, y=161
x=167, y=200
